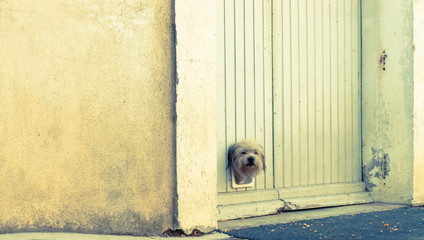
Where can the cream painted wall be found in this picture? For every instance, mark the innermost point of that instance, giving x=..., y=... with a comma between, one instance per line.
x=392, y=100
x=86, y=117
x=418, y=197
x=196, y=114
x=387, y=97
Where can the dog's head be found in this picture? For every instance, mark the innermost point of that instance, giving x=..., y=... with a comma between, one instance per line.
x=246, y=159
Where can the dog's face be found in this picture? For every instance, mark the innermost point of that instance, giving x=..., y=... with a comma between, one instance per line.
x=246, y=159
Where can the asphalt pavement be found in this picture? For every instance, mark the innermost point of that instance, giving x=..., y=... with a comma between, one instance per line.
x=402, y=223
x=368, y=221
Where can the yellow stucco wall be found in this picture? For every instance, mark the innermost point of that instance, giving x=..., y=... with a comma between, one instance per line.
x=86, y=116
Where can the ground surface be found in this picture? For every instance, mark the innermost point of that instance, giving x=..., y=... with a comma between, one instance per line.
x=403, y=223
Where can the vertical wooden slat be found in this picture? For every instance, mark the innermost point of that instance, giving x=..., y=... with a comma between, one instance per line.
x=295, y=108
x=334, y=85
x=311, y=92
x=287, y=92
x=268, y=93
x=326, y=91
x=240, y=70
x=220, y=100
x=303, y=93
x=258, y=29
x=319, y=100
x=249, y=70
x=230, y=76
x=341, y=79
x=278, y=51
x=356, y=90
x=348, y=91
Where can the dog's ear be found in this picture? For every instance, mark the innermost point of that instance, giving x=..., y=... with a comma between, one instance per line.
x=263, y=158
x=230, y=154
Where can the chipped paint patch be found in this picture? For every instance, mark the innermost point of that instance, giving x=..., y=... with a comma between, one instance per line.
x=378, y=168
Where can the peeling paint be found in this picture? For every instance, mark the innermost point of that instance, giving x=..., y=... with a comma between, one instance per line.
x=377, y=169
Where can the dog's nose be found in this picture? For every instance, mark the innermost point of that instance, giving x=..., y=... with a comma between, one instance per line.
x=250, y=159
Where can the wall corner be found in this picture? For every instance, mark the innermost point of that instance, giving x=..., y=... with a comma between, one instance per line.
x=418, y=189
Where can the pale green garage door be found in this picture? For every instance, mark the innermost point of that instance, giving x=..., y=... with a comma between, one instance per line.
x=289, y=77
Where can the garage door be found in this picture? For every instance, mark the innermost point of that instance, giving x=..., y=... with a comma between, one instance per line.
x=289, y=77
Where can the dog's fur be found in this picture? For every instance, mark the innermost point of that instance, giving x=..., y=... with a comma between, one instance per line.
x=246, y=158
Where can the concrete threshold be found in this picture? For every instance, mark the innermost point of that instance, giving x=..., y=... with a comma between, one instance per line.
x=294, y=216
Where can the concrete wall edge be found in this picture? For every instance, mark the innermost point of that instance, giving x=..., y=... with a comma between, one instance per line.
x=418, y=194
x=196, y=166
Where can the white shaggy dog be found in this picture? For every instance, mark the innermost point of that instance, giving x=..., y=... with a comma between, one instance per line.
x=246, y=159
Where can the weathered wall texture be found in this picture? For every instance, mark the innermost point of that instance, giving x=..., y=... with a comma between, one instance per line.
x=388, y=99
x=86, y=127
x=196, y=114
x=418, y=197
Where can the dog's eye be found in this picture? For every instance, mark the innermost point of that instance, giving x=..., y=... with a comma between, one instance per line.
x=243, y=153
x=255, y=152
